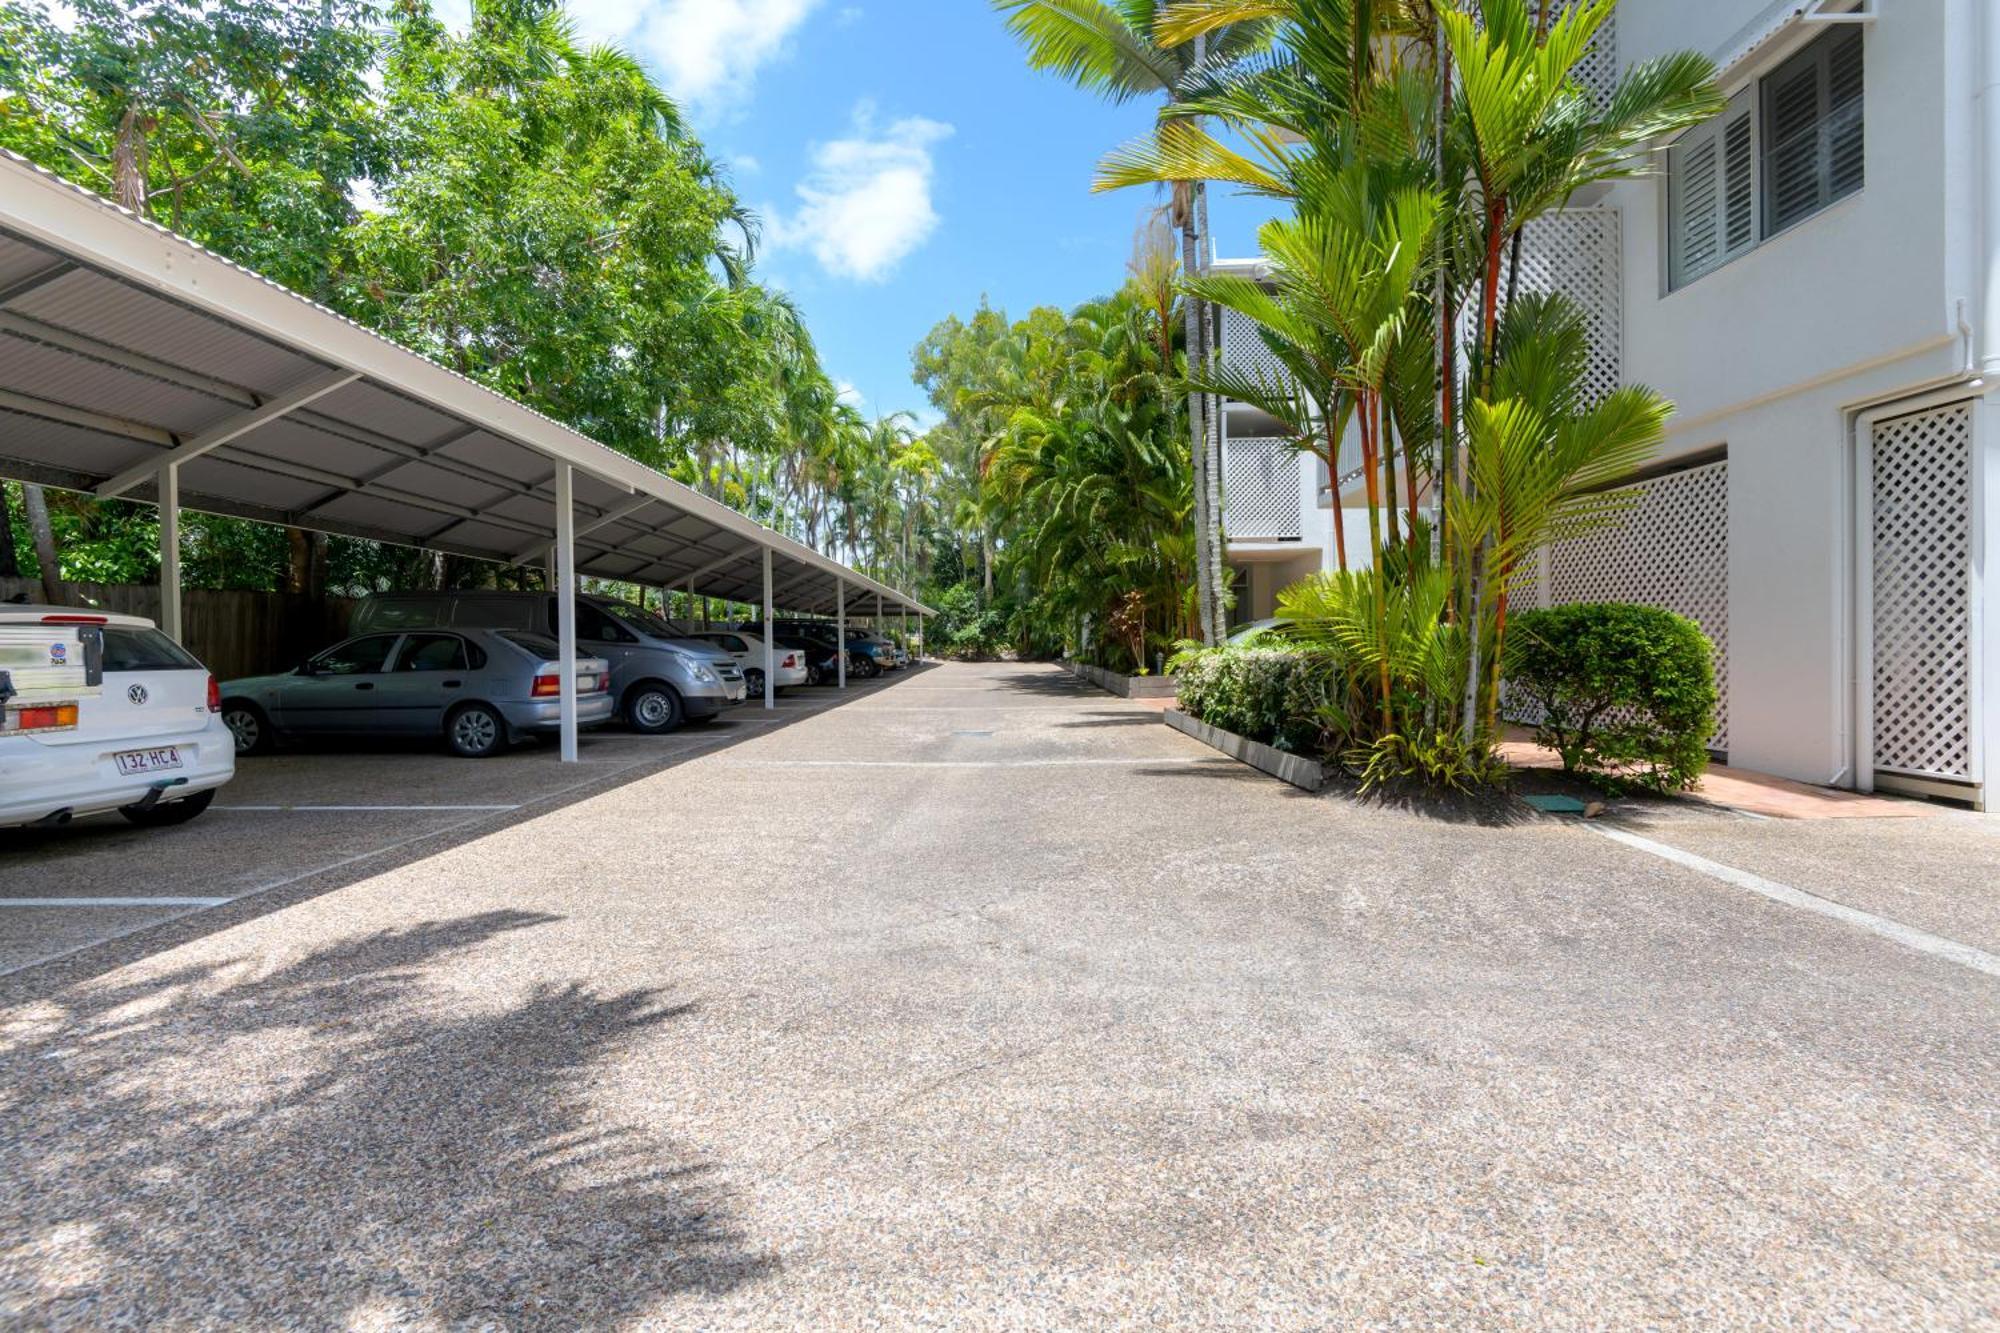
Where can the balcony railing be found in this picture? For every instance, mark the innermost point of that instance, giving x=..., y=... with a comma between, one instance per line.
x=1260, y=480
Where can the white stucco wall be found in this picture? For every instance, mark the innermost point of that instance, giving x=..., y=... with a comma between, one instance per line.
x=1773, y=354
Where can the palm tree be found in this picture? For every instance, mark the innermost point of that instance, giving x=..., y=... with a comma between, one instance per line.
x=1108, y=47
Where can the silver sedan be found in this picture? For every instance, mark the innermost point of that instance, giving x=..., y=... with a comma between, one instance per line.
x=478, y=689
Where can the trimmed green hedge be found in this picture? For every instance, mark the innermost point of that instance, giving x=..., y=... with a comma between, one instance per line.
x=1273, y=695
x=1627, y=693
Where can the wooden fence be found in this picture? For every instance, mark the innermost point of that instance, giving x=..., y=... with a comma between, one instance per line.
x=235, y=633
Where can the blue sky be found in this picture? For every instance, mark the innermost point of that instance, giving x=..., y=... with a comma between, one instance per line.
x=904, y=158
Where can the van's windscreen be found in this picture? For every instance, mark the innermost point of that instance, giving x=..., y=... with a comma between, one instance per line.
x=647, y=622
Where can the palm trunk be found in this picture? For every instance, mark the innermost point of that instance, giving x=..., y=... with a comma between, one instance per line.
x=1218, y=544
x=1197, y=406
x=44, y=537
x=1333, y=485
x=1369, y=447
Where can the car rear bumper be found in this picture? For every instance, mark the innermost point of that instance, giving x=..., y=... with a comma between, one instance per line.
x=38, y=780
x=592, y=710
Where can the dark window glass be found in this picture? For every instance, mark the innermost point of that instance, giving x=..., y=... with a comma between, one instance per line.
x=144, y=650
x=356, y=656
x=1812, y=110
x=432, y=652
x=593, y=625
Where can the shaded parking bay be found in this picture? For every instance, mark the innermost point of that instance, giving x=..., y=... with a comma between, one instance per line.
x=969, y=1001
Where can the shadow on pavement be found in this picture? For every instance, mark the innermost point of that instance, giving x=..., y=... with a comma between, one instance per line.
x=343, y=1141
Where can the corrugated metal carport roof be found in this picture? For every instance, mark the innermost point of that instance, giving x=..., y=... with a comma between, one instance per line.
x=123, y=345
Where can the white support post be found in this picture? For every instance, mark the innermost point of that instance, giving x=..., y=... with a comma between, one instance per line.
x=566, y=603
x=170, y=550
x=770, y=654
x=903, y=614
x=840, y=629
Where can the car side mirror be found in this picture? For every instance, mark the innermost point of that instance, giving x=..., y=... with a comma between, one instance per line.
x=305, y=669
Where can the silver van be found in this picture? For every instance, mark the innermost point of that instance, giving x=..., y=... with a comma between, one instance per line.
x=660, y=677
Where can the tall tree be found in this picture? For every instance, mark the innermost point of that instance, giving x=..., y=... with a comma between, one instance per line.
x=1109, y=47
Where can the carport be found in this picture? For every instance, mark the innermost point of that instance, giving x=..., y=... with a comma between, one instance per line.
x=135, y=363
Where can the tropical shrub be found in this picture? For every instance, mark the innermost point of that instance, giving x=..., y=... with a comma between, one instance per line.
x=1271, y=694
x=1627, y=693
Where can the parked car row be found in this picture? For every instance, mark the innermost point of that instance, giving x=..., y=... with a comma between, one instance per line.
x=101, y=711
x=482, y=670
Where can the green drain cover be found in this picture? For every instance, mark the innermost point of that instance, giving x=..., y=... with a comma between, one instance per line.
x=1556, y=805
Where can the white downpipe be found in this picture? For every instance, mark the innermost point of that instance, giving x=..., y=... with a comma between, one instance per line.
x=770, y=651
x=566, y=603
x=1987, y=99
x=840, y=630
x=170, y=550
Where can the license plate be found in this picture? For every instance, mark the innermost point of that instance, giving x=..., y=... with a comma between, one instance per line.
x=131, y=763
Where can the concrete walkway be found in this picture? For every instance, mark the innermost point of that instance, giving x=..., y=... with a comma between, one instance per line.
x=986, y=999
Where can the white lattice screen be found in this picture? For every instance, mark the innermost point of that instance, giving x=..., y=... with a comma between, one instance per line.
x=1244, y=348
x=1922, y=648
x=1575, y=253
x=1670, y=550
x=1598, y=70
x=1261, y=488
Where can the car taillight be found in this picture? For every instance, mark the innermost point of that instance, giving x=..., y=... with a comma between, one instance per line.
x=547, y=687
x=791, y=662
x=46, y=717
x=214, y=695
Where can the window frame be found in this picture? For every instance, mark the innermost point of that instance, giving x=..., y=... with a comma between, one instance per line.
x=1750, y=109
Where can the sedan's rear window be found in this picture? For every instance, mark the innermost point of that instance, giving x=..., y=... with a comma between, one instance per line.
x=543, y=648
x=128, y=649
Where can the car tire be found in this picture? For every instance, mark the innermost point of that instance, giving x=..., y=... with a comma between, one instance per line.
x=164, y=814
x=653, y=708
x=475, y=731
x=870, y=668
x=753, y=684
x=250, y=728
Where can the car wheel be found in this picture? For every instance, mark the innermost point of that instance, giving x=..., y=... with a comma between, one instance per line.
x=753, y=684
x=814, y=676
x=653, y=709
x=165, y=813
x=475, y=732
x=870, y=668
x=249, y=726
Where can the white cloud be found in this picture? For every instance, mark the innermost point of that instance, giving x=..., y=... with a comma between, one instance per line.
x=853, y=397
x=866, y=204
x=706, y=52
x=746, y=164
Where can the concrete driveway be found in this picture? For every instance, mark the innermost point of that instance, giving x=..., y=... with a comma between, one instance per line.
x=986, y=999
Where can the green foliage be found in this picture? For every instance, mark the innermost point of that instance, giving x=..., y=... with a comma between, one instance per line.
x=1627, y=692
x=1064, y=439
x=965, y=627
x=1279, y=696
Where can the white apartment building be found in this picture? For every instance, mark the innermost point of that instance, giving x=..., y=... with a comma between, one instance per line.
x=1813, y=278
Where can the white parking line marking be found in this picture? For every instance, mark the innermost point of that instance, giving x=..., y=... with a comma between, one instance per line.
x=112, y=902
x=974, y=763
x=289, y=808
x=1908, y=936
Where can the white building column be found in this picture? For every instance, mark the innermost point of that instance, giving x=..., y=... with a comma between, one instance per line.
x=170, y=550
x=770, y=652
x=565, y=553
x=840, y=629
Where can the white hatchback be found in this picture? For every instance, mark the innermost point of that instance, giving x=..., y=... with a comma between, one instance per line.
x=101, y=711
x=748, y=650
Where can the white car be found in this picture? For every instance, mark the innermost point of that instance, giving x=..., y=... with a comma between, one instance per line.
x=748, y=650
x=104, y=712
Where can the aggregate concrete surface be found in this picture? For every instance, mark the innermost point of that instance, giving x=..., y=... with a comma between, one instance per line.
x=984, y=999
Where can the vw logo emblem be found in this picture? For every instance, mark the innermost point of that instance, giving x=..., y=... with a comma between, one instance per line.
x=137, y=694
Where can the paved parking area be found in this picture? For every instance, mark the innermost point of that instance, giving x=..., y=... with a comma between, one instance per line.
x=985, y=999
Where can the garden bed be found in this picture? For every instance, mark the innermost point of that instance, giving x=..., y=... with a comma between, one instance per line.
x=1303, y=773
x=1125, y=687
